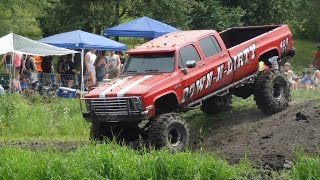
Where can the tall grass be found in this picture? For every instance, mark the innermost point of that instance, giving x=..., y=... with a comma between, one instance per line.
x=37, y=117
x=114, y=162
x=305, y=167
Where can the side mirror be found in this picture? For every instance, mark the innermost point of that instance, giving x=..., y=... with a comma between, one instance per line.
x=191, y=64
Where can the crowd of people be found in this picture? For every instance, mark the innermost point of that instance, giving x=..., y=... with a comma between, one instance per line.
x=310, y=77
x=29, y=69
x=107, y=65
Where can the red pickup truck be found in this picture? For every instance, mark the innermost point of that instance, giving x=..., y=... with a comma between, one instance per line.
x=189, y=69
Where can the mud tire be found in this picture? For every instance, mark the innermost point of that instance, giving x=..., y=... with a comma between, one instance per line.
x=272, y=91
x=216, y=104
x=100, y=132
x=168, y=131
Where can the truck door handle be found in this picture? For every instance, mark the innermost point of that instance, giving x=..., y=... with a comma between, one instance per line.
x=223, y=55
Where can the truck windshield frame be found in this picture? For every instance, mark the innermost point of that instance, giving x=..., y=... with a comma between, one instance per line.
x=163, y=62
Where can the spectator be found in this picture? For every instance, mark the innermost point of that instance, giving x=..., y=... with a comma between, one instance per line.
x=292, y=78
x=38, y=63
x=47, y=70
x=46, y=65
x=307, y=81
x=100, y=65
x=310, y=67
x=316, y=61
x=61, y=60
x=113, y=64
x=7, y=61
x=89, y=60
x=68, y=72
x=18, y=61
x=274, y=62
x=15, y=84
x=25, y=85
x=122, y=58
x=316, y=77
x=29, y=68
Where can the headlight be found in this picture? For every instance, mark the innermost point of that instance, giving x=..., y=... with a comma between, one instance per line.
x=136, y=104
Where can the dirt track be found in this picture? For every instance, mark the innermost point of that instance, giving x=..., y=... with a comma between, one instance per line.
x=267, y=141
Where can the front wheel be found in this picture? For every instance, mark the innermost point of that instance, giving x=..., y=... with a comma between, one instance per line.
x=168, y=130
x=272, y=91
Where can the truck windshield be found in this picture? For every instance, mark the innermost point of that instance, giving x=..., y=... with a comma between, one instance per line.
x=144, y=63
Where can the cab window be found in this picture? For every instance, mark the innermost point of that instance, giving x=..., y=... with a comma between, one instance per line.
x=209, y=46
x=188, y=53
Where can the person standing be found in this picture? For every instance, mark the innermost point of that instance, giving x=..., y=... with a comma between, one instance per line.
x=18, y=61
x=29, y=68
x=68, y=72
x=113, y=64
x=316, y=61
x=100, y=65
x=7, y=61
x=89, y=60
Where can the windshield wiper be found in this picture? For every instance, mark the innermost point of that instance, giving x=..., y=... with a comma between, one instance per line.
x=131, y=71
x=151, y=70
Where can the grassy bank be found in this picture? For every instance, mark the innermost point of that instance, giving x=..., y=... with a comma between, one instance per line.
x=39, y=118
x=110, y=161
x=114, y=162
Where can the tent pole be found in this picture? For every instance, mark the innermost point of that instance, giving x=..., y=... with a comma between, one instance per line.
x=82, y=80
x=12, y=71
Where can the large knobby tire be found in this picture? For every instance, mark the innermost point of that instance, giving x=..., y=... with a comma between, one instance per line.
x=99, y=132
x=168, y=131
x=120, y=133
x=272, y=91
x=216, y=104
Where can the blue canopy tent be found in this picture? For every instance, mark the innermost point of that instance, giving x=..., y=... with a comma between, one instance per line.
x=144, y=27
x=83, y=40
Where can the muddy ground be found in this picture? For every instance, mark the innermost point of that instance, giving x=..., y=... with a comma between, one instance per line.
x=268, y=141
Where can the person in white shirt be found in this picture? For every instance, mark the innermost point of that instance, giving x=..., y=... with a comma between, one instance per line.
x=113, y=64
x=89, y=60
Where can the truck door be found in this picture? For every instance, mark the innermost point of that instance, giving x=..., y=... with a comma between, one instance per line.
x=191, y=77
x=216, y=63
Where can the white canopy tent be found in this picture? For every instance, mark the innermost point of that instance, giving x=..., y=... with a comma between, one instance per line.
x=17, y=44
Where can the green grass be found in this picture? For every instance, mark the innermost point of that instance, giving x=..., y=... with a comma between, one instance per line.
x=39, y=118
x=115, y=162
x=306, y=167
x=304, y=54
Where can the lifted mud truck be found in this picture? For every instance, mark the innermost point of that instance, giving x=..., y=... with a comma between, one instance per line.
x=184, y=70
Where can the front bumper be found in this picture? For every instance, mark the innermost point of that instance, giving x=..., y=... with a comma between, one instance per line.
x=108, y=110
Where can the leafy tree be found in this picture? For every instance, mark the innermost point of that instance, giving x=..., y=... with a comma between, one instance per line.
x=211, y=14
x=174, y=12
x=20, y=16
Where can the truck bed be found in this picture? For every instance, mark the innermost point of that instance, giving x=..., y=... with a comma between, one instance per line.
x=238, y=35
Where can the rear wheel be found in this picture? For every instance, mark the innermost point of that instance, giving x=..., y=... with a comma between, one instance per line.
x=170, y=131
x=272, y=91
x=216, y=104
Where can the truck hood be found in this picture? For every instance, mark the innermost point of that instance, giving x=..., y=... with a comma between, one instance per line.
x=127, y=85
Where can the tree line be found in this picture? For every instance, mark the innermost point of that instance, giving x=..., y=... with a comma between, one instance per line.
x=38, y=18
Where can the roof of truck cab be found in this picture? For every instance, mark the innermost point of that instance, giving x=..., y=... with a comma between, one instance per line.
x=171, y=41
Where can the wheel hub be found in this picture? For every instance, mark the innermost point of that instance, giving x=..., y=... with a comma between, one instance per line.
x=174, y=137
x=277, y=90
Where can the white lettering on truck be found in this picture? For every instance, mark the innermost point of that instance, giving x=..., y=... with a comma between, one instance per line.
x=206, y=81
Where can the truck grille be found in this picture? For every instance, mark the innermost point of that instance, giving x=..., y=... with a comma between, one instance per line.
x=114, y=106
